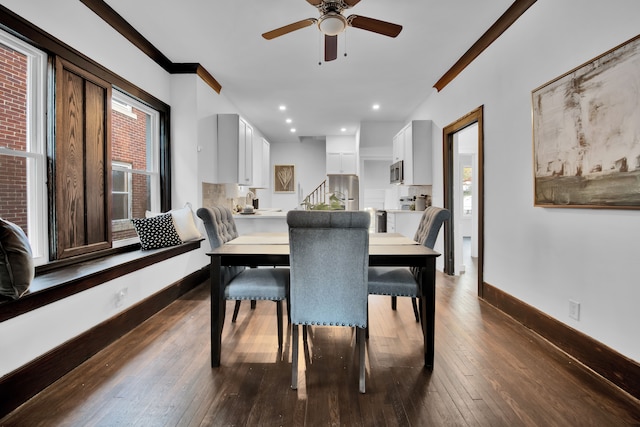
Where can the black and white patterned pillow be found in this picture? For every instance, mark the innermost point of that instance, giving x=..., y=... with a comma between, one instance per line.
x=157, y=232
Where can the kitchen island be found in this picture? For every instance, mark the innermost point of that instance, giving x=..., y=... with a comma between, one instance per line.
x=404, y=222
x=262, y=221
x=275, y=220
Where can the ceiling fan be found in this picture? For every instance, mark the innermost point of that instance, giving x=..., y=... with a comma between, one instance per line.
x=332, y=22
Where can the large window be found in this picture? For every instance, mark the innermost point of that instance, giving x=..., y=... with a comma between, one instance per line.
x=121, y=192
x=78, y=156
x=467, y=190
x=134, y=163
x=23, y=197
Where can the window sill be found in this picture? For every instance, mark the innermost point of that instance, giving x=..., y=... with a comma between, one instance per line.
x=55, y=285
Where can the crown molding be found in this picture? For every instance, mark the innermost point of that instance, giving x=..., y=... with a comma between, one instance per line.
x=515, y=11
x=115, y=20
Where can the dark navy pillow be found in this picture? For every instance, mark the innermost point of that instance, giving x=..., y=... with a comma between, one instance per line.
x=16, y=261
x=156, y=232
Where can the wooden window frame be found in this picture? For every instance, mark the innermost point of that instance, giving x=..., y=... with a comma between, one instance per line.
x=55, y=48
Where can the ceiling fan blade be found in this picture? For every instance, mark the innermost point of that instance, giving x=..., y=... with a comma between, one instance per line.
x=330, y=47
x=351, y=3
x=315, y=2
x=375, y=25
x=289, y=28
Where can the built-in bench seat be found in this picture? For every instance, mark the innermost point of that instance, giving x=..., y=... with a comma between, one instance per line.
x=54, y=285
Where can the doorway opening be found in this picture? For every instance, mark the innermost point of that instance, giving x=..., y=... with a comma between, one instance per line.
x=464, y=192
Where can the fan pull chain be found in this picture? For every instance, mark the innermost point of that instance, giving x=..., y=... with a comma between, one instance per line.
x=320, y=38
x=345, y=43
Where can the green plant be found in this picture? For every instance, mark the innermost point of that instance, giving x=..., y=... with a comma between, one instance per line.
x=335, y=203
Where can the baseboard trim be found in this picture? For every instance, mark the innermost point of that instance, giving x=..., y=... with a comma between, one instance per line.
x=604, y=361
x=25, y=382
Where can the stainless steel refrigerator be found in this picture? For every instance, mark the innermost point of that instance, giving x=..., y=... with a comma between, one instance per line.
x=346, y=188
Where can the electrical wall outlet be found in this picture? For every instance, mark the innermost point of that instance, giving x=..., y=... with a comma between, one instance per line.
x=121, y=295
x=574, y=309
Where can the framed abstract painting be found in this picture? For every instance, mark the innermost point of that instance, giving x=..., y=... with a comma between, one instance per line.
x=586, y=134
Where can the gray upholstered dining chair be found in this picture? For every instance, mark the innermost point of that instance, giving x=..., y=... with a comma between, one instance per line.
x=244, y=283
x=402, y=281
x=329, y=259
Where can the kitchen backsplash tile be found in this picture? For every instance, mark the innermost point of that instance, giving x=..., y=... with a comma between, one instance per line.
x=228, y=195
x=417, y=190
x=218, y=195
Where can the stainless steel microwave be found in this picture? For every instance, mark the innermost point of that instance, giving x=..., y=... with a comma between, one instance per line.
x=397, y=173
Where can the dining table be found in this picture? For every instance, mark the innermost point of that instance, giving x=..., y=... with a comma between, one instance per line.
x=272, y=250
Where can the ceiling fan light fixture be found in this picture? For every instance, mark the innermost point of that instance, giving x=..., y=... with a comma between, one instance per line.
x=332, y=24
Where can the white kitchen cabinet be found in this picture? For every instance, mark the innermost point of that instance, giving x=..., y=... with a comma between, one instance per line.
x=404, y=222
x=416, y=142
x=391, y=222
x=342, y=163
x=398, y=147
x=266, y=163
x=235, y=150
x=261, y=159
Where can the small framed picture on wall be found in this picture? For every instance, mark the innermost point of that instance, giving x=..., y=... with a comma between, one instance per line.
x=284, y=179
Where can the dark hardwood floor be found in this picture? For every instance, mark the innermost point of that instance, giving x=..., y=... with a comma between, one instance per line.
x=489, y=371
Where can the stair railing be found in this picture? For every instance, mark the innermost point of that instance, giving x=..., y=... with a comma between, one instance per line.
x=316, y=196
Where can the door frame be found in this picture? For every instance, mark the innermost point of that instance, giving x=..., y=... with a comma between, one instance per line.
x=475, y=116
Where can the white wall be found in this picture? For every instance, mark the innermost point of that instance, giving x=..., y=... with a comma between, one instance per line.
x=546, y=256
x=184, y=140
x=93, y=37
x=26, y=337
x=379, y=134
x=375, y=175
x=340, y=144
x=309, y=157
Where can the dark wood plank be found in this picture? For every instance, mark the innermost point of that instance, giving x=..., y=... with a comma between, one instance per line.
x=489, y=370
x=510, y=16
x=70, y=147
x=81, y=162
x=97, y=162
x=114, y=19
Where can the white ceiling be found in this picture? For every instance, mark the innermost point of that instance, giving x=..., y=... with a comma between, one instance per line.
x=258, y=75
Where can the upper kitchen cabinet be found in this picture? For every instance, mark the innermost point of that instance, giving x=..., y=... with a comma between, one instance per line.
x=398, y=147
x=341, y=155
x=235, y=150
x=341, y=163
x=414, y=144
x=261, y=165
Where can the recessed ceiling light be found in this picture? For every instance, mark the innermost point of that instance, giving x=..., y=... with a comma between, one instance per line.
x=343, y=129
x=293, y=130
x=283, y=107
x=376, y=106
x=288, y=120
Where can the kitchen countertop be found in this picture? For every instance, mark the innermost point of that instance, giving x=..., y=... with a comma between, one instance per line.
x=401, y=211
x=263, y=220
x=262, y=214
x=278, y=213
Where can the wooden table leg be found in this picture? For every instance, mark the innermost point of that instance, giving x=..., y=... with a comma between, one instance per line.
x=217, y=311
x=428, y=310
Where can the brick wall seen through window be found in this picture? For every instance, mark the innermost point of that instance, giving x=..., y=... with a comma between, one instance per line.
x=13, y=135
x=129, y=145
